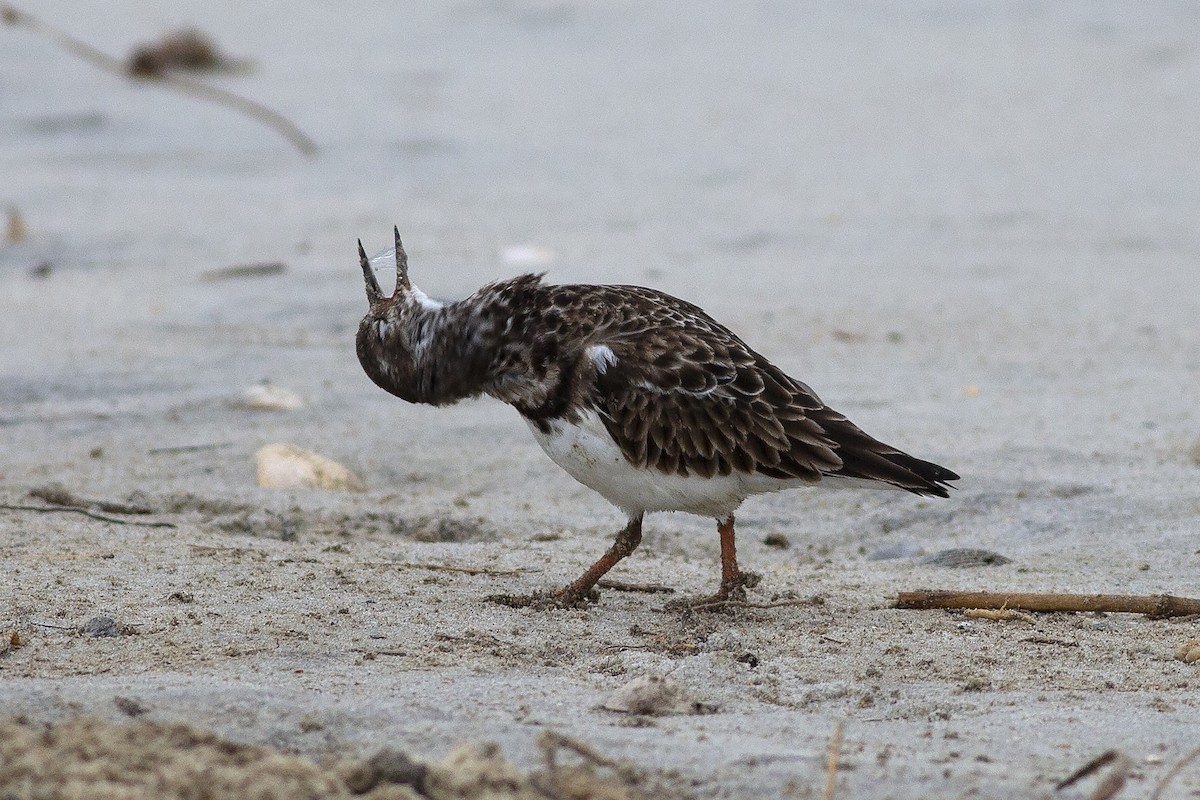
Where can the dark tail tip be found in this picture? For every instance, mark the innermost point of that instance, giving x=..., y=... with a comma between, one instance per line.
x=933, y=479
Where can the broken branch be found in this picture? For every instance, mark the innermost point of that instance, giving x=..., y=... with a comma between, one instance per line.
x=101, y=60
x=1155, y=606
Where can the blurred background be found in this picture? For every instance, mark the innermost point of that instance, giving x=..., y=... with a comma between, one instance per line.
x=625, y=137
x=996, y=184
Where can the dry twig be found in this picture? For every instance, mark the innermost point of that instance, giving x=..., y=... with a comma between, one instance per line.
x=243, y=271
x=551, y=742
x=64, y=556
x=445, y=568
x=87, y=513
x=807, y=601
x=1171, y=773
x=187, y=448
x=1000, y=615
x=56, y=495
x=1155, y=606
x=831, y=761
x=233, y=550
x=621, y=586
x=1050, y=640
x=101, y=60
x=1111, y=784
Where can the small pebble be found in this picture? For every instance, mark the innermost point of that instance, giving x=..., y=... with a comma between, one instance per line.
x=1189, y=651
x=10, y=640
x=385, y=767
x=101, y=626
x=528, y=255
x=130, y=707
x=16, y=230
x=654, y=695
x=960, y=557
x=265, y=397
x=285, y=466
x=777, y=540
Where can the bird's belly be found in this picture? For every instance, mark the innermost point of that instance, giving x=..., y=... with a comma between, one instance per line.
x=590, y=456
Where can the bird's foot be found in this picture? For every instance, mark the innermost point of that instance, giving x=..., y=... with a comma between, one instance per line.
x=731, y=593
x=543, y=601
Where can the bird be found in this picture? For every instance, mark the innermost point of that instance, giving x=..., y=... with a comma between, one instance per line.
x=638, y=395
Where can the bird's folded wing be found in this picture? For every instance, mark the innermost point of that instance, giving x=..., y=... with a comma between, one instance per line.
x=708, y=406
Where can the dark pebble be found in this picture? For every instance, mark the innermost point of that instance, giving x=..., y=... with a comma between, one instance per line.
x=101, y=626
x=959, y=557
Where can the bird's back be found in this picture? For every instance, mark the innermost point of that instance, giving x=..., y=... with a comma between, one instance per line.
x=678, y=392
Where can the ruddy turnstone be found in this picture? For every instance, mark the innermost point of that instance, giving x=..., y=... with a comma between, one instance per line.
x=638, y=395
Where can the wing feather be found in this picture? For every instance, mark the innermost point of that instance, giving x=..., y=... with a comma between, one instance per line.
x=684, y=395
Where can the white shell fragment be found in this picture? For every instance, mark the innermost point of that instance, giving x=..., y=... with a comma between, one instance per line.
x=654, y=695
x=285, y=466
x=266, y=397
x=528, y=255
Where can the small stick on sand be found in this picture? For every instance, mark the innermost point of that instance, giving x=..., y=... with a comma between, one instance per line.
x=1156, y=606
x=187, y=448
x=1000, y=615
x=58, y=496
x=11, y=15
x=1050, y=640
x=208, y=550
x=1175, y=770
x=806, y=601
x=243, y=271
x=622, y=586
x=550, y=743
x=831, y=762
x=1111, y=785
x=444, y=568
x=86, y=513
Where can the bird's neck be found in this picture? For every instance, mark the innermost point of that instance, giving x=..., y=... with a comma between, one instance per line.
x=428, y=353
x=457, y=354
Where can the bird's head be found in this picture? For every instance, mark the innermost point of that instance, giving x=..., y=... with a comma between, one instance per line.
x=395, y=335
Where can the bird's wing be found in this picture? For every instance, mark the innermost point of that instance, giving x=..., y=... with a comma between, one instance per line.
x=682, y=394
x=692, y=399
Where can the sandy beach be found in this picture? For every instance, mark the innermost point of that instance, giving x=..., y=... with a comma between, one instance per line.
x=971, y=228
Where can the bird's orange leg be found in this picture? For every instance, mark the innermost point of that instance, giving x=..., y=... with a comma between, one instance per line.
x=626, y=542
x=733, y=583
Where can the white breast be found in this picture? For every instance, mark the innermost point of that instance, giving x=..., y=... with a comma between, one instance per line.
x=590, y=456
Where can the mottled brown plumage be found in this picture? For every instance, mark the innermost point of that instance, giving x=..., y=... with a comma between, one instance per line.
x=608, y=369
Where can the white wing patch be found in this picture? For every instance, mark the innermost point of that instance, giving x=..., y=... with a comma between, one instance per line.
x=602, y=356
